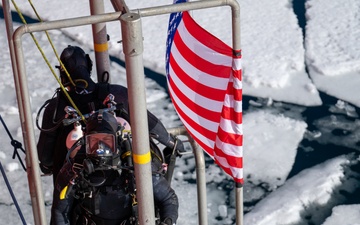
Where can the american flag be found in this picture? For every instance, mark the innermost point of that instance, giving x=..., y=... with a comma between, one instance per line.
x=204, y=80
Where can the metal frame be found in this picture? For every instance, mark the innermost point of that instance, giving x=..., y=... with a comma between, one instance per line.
x=101, y=46
x=131, y=21
x=133, y=49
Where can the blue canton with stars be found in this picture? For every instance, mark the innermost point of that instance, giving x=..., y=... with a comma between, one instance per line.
x=174, y=20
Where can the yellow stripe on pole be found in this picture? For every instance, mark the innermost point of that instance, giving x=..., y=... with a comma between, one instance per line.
x=142, y=159
x=101, y=47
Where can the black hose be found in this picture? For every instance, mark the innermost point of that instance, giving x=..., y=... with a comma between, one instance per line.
x=38, y=115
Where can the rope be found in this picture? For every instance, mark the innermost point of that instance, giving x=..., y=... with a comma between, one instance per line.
x=17, y=145
x=52, y=46
x=47, y=61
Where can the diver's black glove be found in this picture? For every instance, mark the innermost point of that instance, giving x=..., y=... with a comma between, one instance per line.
x=179, y=147
x=169, y=150
x=167, y=221
x=45, y=169
x=178, y=144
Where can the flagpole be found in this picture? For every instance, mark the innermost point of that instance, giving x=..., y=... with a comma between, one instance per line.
x=236, y=41
x=239, y=205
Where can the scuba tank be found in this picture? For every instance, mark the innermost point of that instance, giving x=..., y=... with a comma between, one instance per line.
x=74, y=135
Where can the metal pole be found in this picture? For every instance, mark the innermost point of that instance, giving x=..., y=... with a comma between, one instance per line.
x=151, y=11
x=9, y=32
x=133, y=49
x=32, y=161
x=239, y=205
x=201, y=182
x=200, y=174
x=120, y=6
x=239, y=195
x=100, y=43
x=32, y=165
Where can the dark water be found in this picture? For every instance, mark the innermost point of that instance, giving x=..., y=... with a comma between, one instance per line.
x=16, y=18
x=299, y=10
x=322, y=152
x=306, y=159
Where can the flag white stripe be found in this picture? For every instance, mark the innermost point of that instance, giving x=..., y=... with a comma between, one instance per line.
x=229, y=149
x=230, y=126
x=230, y=102
x=237, y=84
x=237, y=172
x=237, y=64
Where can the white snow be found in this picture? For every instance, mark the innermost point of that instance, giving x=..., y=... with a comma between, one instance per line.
x=272, y=127
x=351, y=213
x=274, y=57
x=332, y=47
x=300, y=195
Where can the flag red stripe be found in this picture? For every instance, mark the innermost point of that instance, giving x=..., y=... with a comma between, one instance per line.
x=234, y=139
x=229, y=114
x=237, y=74
x=205, y=37
x=232, y=161
x=237, y=93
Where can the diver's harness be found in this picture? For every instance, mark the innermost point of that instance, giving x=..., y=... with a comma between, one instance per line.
x=103, y=92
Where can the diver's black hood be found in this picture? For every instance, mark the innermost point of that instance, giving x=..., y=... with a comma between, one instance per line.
x=102, y=122
x=79, y=66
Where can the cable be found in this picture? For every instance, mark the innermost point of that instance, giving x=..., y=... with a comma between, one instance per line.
x=12, y=194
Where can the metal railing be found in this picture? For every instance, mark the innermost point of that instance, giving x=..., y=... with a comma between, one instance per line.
x=131, y=22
